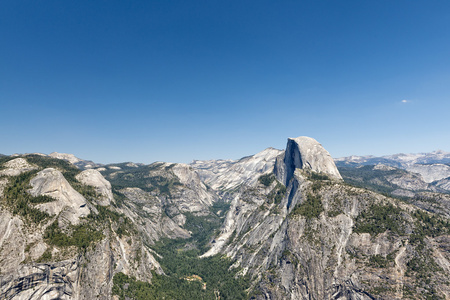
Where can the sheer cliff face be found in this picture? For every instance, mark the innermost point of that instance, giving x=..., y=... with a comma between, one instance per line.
x=149, y=203
x=293, y=226
x=305, y=153
x=323, y=239
x=48, y=257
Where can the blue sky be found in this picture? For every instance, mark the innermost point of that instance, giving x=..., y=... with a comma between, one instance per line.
x=175, y=81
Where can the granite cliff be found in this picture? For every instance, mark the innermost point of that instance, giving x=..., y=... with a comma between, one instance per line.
x=281, y=224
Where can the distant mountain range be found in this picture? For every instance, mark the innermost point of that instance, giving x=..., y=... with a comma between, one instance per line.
x=280, y=224
x=400, y=160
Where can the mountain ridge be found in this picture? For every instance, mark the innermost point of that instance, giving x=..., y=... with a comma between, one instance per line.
x=279, y=224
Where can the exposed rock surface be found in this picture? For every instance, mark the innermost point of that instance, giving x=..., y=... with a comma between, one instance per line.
x=400, y=160
x=147, y=211
x=443, y=184
x=102, y=186
x=65, y=156
x=228, y=175
x=80, y=163
x=51, y=182
x=408, y=181
x=12, y=242
x=298, y=257
x=193, y=196
x=305, y=153
x=432, y=172
x=86, y=276
x=30, y=268
x=433, y=168
x=16, y=166
x=298, y=235
x=3, y=183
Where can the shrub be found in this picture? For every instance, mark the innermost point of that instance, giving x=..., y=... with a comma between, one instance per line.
x=310, y=208
x=266, y=179
x=378, y=218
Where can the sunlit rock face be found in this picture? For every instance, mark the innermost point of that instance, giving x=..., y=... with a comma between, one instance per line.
x=229, y=174
x=16, y=167
x=51, y=182
x=102, y=186
x=305, y=153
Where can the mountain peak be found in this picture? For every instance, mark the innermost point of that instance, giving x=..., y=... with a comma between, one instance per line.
x=66, y=156
x=306, y=153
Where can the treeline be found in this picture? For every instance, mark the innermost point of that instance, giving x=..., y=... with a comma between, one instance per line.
x=378, y=218
x=17, y=198
x=180, y=259
x=217, y=280
x=142, y=178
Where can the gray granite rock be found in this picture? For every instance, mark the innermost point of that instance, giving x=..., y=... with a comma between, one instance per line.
x=51, y=182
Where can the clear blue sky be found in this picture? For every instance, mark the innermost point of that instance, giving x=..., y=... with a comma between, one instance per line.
x=175, y=81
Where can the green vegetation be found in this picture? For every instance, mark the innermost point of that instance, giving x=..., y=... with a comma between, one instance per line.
x=118, y=222
x=379, y=261
x=220, y=206
x=428, y=225
x=367, y=177
x=90, y=229
x=266, y=179
x=277, y=194
x=378, y=218
x=216, y=281
x=20, y=202
x=18, y=199
x=334, y=213
x=316, y=186
x=422, y=269
x=144, y=177
x=162, y=287
x=81, y=236
x=178, y=263
x=180, y=259
x=45, y=257
x=310, y=208
x=318, y=176
x=4, y=159
x=69, y=171
x=202, y=228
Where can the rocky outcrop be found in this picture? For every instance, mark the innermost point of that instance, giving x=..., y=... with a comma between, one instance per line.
x=228, y=175
x=408, y=181
x=304, y=153
x=102, y=186
x=296, y=255
x=400, y=160
x=296, y=250
x=65, y=156
x=83, y=276
x=16, y=167
x=147, y=212
x=432, y=172
x=71, y=204
x=41, y=281
x=296, y=233
x=80, y=163
x=12, y=242
x=3, y=184
x=443, y=184
x=193, y=195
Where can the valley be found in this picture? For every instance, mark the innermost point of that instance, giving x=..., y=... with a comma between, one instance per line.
x=280, y=224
